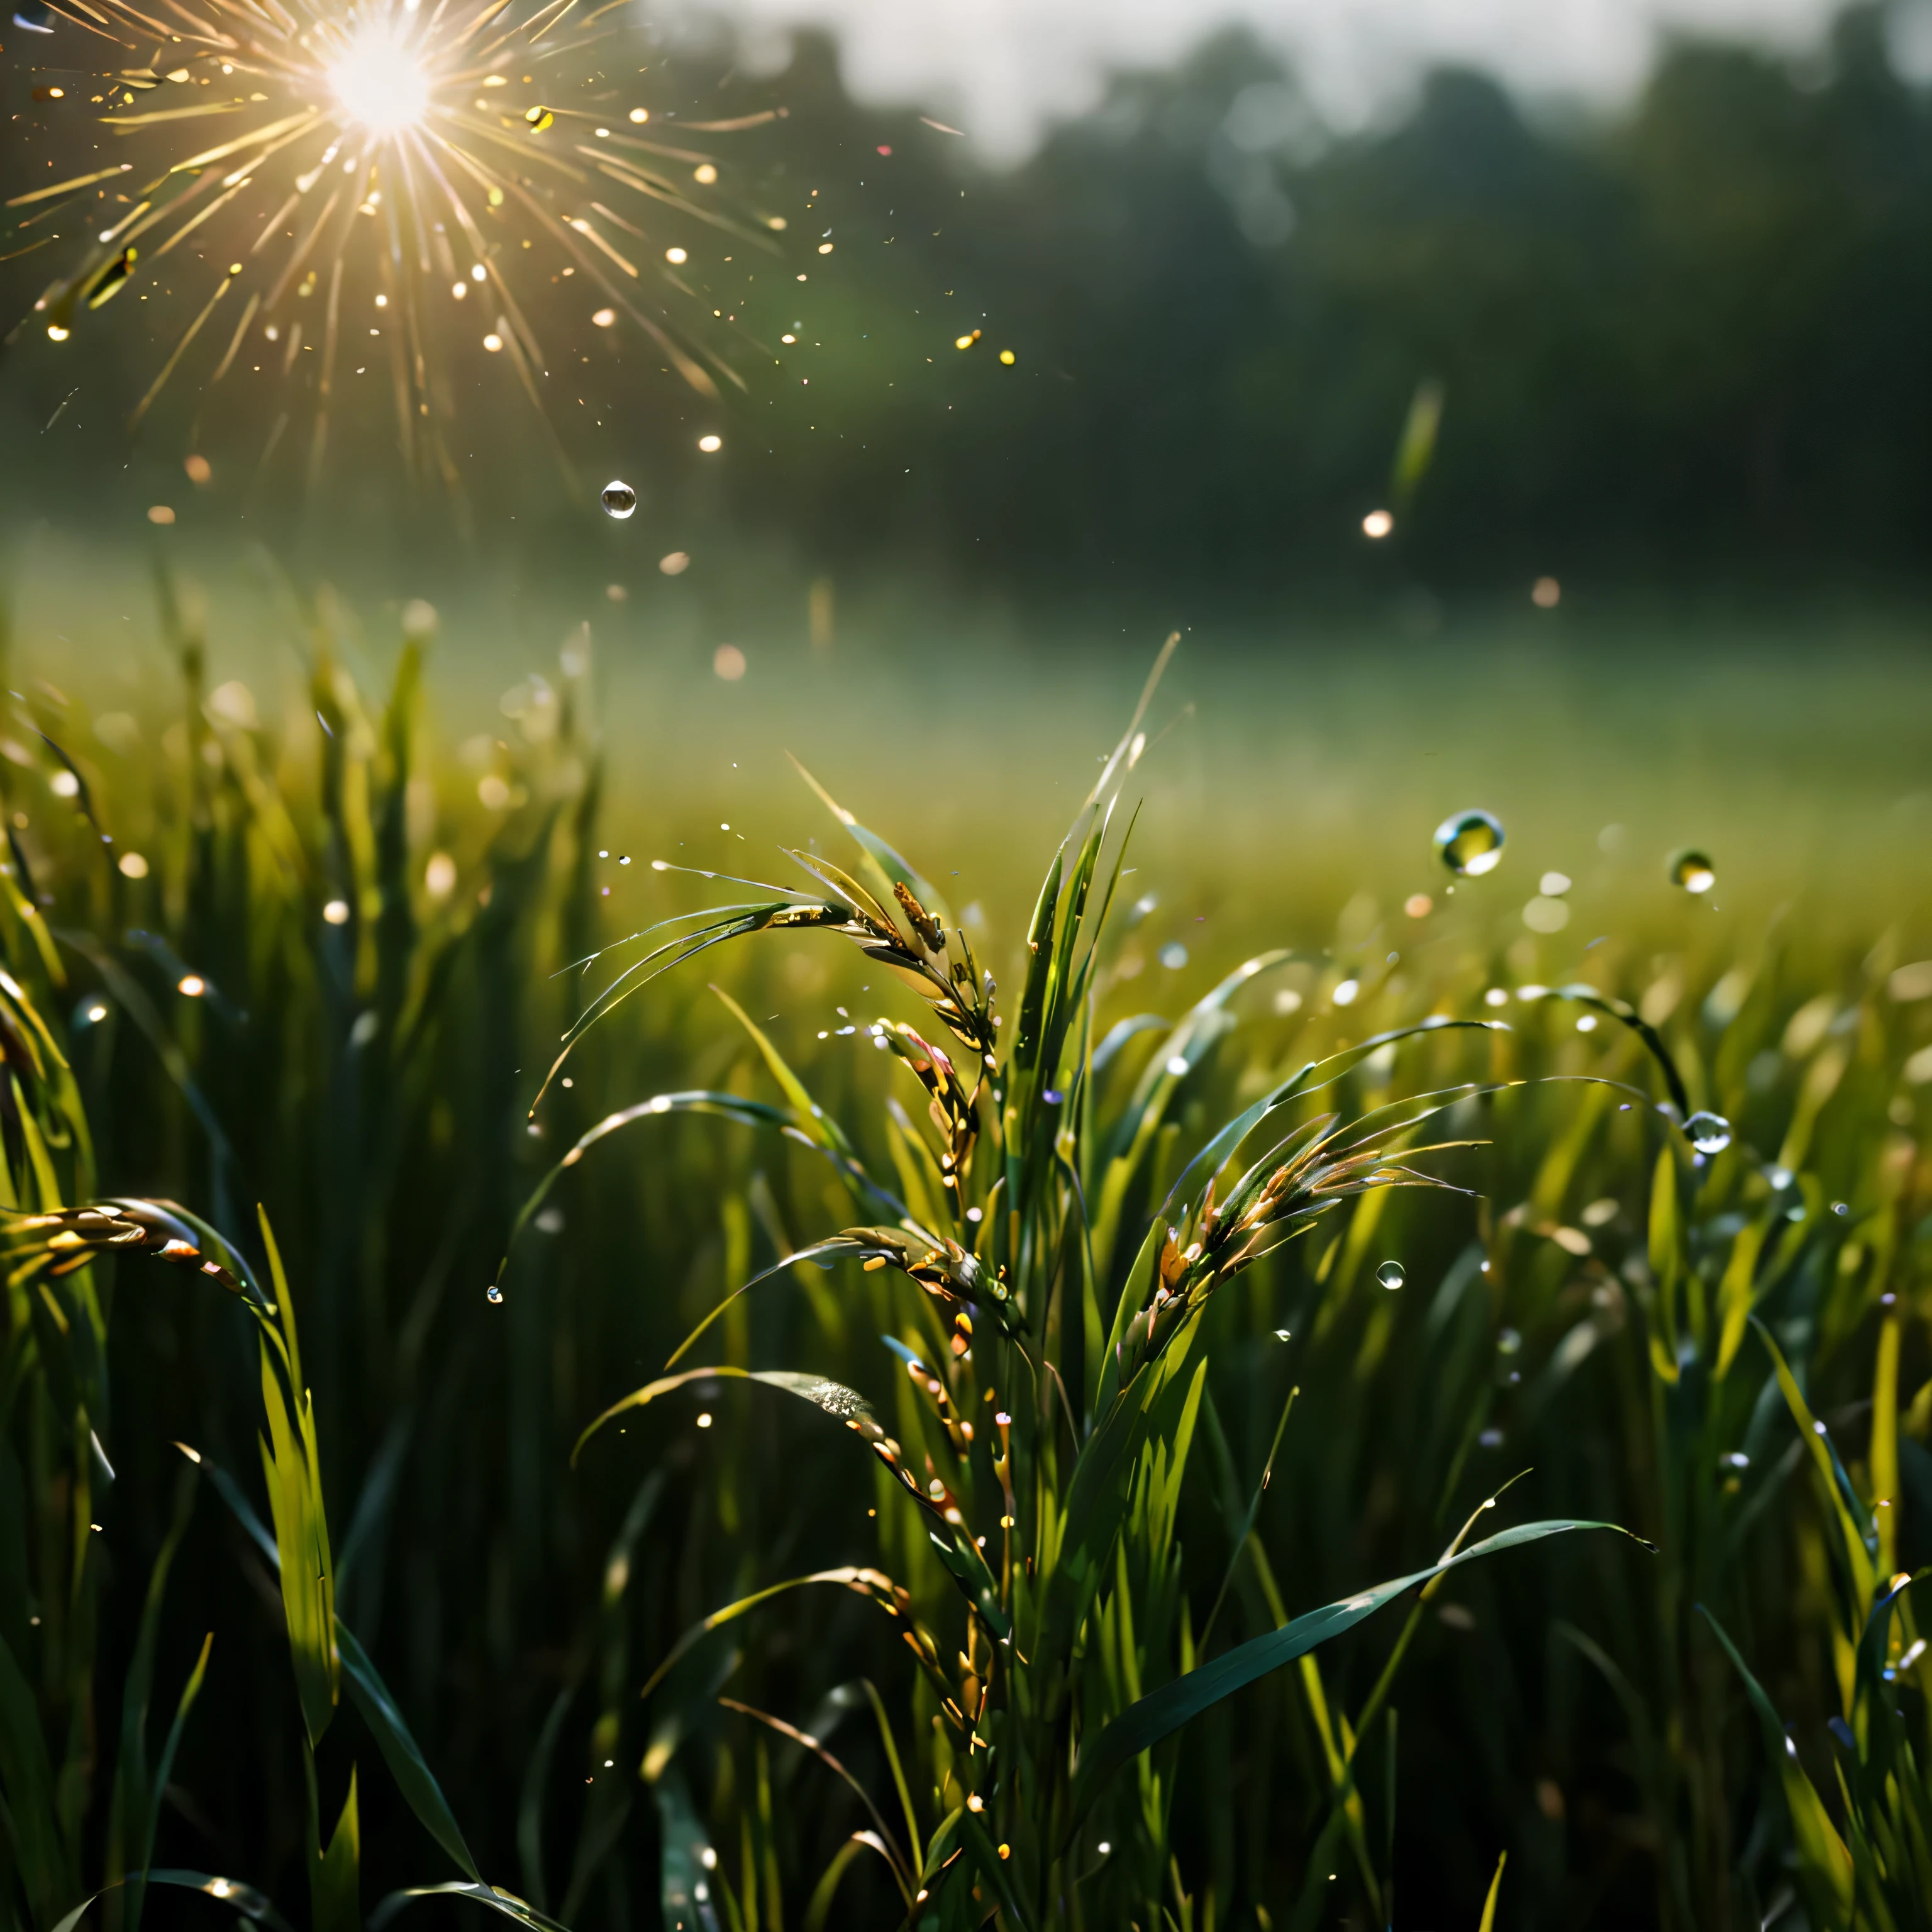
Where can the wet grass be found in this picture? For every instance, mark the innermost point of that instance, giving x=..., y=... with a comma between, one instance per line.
x=303, y=954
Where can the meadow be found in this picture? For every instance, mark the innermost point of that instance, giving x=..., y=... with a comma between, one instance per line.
x=319, y=1587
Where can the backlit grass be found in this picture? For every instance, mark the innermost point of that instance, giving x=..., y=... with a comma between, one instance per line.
x=310, y=956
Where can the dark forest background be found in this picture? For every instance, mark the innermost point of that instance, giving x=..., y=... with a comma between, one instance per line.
x=1690, y=342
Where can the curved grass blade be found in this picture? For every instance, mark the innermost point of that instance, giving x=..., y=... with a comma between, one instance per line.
x=818, y=1908
x=888, y=869
x=243, y=1510
x=488, y=1896
x=843, y=1404
x=254, y=1906
x=1621, y=1010
x=1163, y=1711
x=1247, y=1525
x=874, y=1584
x=964, y=1560
x=1825, y=1875
x=812, y=1119
x=403, y=1756
x=725, y=923
x=191, y=1692
x=1487, y=1923
x=901, y=1871
x=892, y=1751
x=1856, y=1536
x=1126, y=753
x=1215, y=1153
x=370, y=1694
x=695, y=1100
x=838, y=1247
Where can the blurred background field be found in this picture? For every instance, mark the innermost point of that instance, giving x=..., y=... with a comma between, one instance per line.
x=371, y=750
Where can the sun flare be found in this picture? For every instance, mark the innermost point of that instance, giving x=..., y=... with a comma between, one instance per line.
x=350, y=171
x=378, y=83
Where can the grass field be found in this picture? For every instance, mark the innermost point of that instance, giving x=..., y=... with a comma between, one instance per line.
x=292, y=901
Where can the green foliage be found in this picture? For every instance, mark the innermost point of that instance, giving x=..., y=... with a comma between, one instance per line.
x=1034, y=1275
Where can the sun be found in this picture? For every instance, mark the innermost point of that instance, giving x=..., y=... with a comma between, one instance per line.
x=378, y=82
x=371, y=182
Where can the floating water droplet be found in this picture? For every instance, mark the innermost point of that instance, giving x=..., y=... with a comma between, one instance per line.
x=1491, y=1439
x=537, y=119
x=1710, y=1133
x=1470, y=842
x=1508, y=1341
x=619, y=500
x=1283, y=1335
x=496, y=1293
x=1390, y=1274
x=1173, y=955
x=1735, y=1459
x=1693, y=871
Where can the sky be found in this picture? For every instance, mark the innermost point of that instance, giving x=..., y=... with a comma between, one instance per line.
x=1007, y=69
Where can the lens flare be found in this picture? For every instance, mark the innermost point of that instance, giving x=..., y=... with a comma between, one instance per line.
x=277, y=170
x=378, y=83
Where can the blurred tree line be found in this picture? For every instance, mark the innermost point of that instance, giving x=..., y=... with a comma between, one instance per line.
x=1690, y=343
x=1686, y=343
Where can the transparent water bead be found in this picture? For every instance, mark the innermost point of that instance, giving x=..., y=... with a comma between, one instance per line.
x=619, y=500
x=1390, y=1274
x=1471, y=843
x=1710, y=1133
x=496, y=1293
x=1693, y=871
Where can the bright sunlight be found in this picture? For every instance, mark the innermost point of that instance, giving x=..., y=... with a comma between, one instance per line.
x=378, y=81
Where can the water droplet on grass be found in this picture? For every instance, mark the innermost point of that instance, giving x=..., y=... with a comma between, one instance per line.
x=1390, y=1274
x=1173, y=955
x=1693, y=871
x=1710, y=1133
x=619, y=500
x=1508, y=1341
x=1470, y=842
x=496, y=1293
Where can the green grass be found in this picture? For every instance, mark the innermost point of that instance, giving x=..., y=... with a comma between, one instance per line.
x=1589, y=1325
